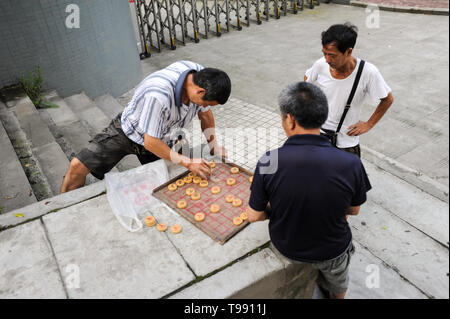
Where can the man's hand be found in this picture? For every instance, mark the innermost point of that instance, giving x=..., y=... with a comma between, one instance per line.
x=200, y=167
x=363, y=127
x=359, y=128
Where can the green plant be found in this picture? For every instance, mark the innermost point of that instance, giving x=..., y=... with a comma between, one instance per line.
x=32, y=85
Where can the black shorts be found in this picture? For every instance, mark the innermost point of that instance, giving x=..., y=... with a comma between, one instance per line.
x=107, y=148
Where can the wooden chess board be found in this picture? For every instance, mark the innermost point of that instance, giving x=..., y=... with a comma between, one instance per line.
x=218, y=226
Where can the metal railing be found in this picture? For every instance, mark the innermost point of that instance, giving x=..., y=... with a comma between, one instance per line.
x=171, y=22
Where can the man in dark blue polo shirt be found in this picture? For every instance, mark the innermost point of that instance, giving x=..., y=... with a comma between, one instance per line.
x=310, y=191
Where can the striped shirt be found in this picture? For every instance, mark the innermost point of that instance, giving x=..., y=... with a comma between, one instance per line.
x=153, y=109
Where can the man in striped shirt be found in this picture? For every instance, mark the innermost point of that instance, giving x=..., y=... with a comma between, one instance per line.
x=151, y=124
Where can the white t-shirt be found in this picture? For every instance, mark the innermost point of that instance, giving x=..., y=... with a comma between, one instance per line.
x=337, y=91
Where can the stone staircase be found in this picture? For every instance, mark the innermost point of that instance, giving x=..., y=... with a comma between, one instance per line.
x=38, y=144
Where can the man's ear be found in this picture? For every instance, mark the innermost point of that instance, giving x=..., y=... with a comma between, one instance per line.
x=349, y=51
x=200, y=91
x=290, y=121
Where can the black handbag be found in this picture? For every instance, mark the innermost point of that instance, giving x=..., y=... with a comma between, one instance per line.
x=330, y=134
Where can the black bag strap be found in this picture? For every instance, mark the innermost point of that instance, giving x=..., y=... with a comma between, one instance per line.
x=352, y=94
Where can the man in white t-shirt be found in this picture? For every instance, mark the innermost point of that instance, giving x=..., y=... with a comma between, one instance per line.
x=335, y=73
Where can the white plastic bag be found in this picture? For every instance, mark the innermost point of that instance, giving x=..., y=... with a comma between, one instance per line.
x=130, y=193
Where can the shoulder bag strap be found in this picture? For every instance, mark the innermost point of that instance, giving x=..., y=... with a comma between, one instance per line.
x=352, y=93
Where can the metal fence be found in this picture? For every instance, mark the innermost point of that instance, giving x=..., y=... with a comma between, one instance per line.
x=172, y=22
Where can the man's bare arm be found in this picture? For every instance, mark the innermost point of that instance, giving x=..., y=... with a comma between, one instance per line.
x=160, y=149
x=207, y=124
x=363, y=127
x=353, y=210
x=255, y=216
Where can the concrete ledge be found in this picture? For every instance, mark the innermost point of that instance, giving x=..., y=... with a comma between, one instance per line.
x=261, y=276
x=406, y=173
x=49, y=205
x=421, y=10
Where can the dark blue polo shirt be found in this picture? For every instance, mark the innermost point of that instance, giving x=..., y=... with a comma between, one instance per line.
x=310, y=191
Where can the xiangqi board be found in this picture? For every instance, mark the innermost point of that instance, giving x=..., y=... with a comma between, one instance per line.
x=218, y=226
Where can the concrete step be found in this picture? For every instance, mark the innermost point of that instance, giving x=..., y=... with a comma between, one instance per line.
x=407, y=229
x=109, y=105
x=67, y=128
x=98, y=116
x=31, y=139
x=88, y=112
x=15, y=189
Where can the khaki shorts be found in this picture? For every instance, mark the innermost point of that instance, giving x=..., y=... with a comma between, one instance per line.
x=107, y=148
x=333, y=273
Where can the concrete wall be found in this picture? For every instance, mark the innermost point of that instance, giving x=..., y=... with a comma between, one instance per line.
x=98, y=57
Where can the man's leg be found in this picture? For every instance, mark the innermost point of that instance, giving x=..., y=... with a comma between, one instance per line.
x=75, y=176
x=337, y=296
x=102, y=153
x=333, y=275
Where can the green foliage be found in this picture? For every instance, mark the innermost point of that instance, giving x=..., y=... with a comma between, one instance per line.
x=32, y=85
x=47, y=105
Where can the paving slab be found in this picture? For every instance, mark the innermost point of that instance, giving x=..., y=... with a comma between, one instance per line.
x=371, y=278
x=409, y=203
x=28, y=268
x=406, y=173
x=407, y=250
x=112, y=262
x=201, y=252
x=14, y=186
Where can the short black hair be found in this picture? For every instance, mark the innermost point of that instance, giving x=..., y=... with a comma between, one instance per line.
x=216, y=83
x=306, y=103
x=344, y=35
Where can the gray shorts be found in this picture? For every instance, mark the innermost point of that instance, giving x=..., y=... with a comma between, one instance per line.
x=333, y=273
x=107, y=148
